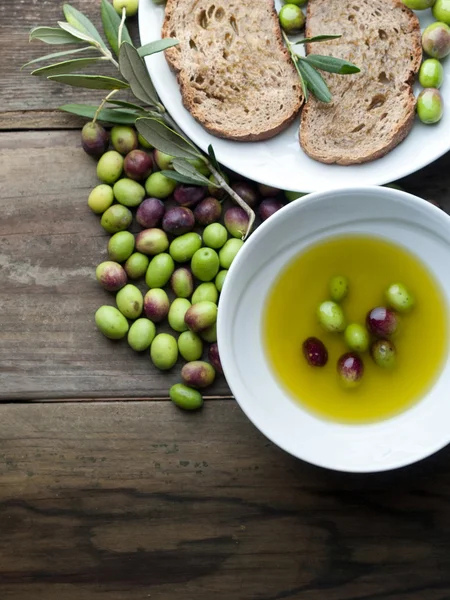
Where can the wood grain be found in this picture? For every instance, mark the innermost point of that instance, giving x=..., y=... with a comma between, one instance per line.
x=50, y=244
x=143, y=501
x=21, y=92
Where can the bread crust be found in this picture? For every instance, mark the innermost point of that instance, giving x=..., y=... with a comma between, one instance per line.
x=188, y=92
x=399, y=133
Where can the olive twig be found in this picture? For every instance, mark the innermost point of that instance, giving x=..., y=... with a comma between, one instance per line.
x=224, y=185
x=107, y=54
x=122, y=23
x=102, y=104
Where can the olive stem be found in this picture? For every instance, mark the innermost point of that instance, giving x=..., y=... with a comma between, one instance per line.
x=224, y=185
x=122, y=23
x=102, y=104
x=294, y=58
x=107, y=54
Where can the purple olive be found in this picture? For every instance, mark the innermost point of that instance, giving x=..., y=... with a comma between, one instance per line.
x=156, y=305
x=267, y=191
x=111, y=276
x=315, y=352
x=218, y=192
x=214, y=358
x=182, y=282
x=150, y=213
x=94, y=139
x=350, y=370
x=138, y=165
x=382, y=321
x=269, y=207
x=208, y=211
x=178, y=220
x=236, y=221
x=188, y=195
x=247, y=192
x=384, y=354
x=198, y=374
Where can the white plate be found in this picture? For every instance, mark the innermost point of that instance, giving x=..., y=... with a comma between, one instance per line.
x=415, y=224
x=280, y=162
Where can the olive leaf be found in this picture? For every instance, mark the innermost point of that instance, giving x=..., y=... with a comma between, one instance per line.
x=67, y=66
x=183, y=167
x=175, y=176
x=76, y=33
x=132, y=67
x=331, y=64
x=129, y=105
x=92, y=82
x=314, y=81
x=165, y=139
x=113, y=116
x=82, y=23
x=111, y=24
x=318, y=38
x=212, y=156
x=56, y=55
x=53, y=35
x=157, y=46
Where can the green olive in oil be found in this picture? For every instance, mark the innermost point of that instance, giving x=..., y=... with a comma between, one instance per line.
x=370, y=265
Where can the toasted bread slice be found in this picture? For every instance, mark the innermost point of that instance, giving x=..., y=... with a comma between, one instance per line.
x=236, y=77
x=373, y=111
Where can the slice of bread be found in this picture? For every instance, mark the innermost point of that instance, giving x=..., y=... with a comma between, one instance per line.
x=236, y=77
x=373, y=111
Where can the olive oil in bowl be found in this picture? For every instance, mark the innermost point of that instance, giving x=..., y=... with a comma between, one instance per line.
x=371, y=265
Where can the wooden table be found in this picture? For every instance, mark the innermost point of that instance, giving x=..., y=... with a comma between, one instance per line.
x=106, y=490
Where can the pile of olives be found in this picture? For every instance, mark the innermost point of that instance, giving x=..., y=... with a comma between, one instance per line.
x=182, y=242
x=382, y=323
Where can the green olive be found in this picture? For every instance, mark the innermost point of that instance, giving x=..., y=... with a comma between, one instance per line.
x=441, y=11
x=205, y=291
x=227, y=254
x=159, y=186
x=130, y=6
x=116, y=218
x=141, y=335
x=143, y=142
x=185, y=246
x=210, y=334
x=356, y=337
x=435, y=41
x=121, y=246
x=111, y=322
x=296, y=2
x=130, y=301
x=164, y=351
x=205, y=264
x=431, y=74
x=177, y=312
x=338, y=288
x=399, y=298
x=292, y=19
x=129, y=192
x=101, y=198
x=137, y=265
x=215, y=235
x=291, y=196
x=201, y=316
x=331, y=316
x=152, y=241
x=182, y=283
x=110, y=167
x=418, y=4
x=429, y=106
x=190, y=345
x=185, y=397
x=384, y=354
x=124, y=139
x=159, y=270
x=220, y=279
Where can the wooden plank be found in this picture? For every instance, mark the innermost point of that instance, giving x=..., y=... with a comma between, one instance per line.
x=50, y=244
x=143, y=501
x=21, y=92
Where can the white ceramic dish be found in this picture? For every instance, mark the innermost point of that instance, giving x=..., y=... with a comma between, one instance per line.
x=280, y=162
x=409, y=221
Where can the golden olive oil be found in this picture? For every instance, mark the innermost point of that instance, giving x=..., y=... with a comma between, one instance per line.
x=371, y=265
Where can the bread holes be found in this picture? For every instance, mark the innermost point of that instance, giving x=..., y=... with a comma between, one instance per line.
x=383, y=78
x=377, y=101
x=382, y=34
x=234, y=24
x=193, y=45
x=355, y=8
x=199, y=79
x=203, y=19
x=220, y=13
x=377, y=13
x=225, y=54
x=228, y=39
x=383, y=116
x=351, y=18
x=358, y=128
x=211, y=10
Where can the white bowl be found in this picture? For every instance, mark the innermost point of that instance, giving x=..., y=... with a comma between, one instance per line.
x=383, y=212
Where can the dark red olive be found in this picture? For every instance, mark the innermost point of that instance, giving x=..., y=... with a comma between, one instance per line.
x=150, y=213
x=382, y=321
x=178, y=220
x=315, y=352
x=189, y=195
x=350, y=370
x=269, y=207
x=208, y=211
x=236, y=221
x=137, y=165
x=247, y=192
x=214, y=358
x=267, y=191
x=94, y=139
